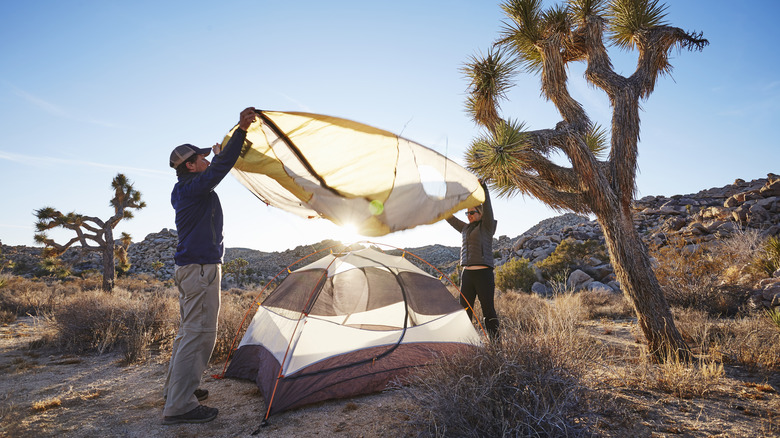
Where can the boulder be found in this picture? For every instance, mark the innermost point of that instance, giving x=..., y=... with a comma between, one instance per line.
x=540, y=289
x=579, y=280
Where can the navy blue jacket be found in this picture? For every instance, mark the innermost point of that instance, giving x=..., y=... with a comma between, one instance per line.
x=198, y=211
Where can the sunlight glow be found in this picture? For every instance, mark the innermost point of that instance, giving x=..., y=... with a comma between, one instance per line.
x=347, y=234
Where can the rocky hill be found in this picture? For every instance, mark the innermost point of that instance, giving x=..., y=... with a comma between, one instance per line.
x=697, y=218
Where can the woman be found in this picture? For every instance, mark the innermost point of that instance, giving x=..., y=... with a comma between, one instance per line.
x=476, y=257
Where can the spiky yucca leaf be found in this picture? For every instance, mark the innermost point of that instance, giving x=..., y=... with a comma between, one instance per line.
x=581, y=9
x=769, y=260
x=126, y=239
x=774, y=316
x=523, y=32
x=40, y=237
x=629, y=17
x=498, y=154
x=47, y=213
x=490, y=80
x=597, y=141
x=556, y=20
x=119, y=181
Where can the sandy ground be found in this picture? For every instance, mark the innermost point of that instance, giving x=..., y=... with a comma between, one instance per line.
x=44, y=393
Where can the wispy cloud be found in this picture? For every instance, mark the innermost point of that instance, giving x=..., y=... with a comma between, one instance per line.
x=300, y=104
x=57, y=110
x=41, y=161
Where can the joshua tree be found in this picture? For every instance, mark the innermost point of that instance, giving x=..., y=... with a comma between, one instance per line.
x=93, y=233
x=237, y=267
x=518, y=161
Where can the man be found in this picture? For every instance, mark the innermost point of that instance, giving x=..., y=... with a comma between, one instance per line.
x=198, y=271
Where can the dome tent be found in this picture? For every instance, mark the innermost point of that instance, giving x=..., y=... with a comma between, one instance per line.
x=347, y=325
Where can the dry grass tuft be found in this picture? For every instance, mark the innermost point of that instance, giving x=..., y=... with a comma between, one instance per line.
x=603, y=304
x=96, y=321
x=22, y=296
x=752, y=341
x=686, y=380
x=236, y=311
x=90, y=395
x=140, y=316
x=690, y=276
x=7, y=317
x=45, y=405
x=528, y=384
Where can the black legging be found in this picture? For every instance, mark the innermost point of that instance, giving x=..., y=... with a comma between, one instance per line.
x=480, y=283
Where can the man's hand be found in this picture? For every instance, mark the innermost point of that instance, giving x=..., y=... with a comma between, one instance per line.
x=248, y=116
x=217, y=148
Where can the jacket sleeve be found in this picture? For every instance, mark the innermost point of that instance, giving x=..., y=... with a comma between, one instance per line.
x=456, y=223
x=208, y=180
x=488, y=221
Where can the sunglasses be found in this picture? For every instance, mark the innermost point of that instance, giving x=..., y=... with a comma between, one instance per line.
x=471, y=212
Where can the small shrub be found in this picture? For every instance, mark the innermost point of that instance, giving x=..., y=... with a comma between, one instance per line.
x=455, y=276
x=96, y=321
x=149, y=321
x=23, y=296
x=752, y=341
x=519, y=387
x=774, y=316
x=768, y=259
x=54, y=267
x=515, y=274
x=531, y=383
x=90, y=321
x=568, y=255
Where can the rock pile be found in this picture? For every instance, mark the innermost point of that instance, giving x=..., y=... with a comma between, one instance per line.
x=695, y=218
x=712, y=213
x=154, y=254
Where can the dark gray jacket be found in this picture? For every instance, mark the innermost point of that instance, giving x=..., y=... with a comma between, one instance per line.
x=477, y=245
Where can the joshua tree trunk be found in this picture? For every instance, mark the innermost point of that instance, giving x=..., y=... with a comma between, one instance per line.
x=640, y=285
x=109, y=267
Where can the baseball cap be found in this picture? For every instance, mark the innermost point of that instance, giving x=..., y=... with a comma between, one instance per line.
x=181, y=153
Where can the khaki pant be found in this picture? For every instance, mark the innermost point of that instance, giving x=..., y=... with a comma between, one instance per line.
x=199, y=301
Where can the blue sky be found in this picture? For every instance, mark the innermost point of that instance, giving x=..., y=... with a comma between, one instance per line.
x=89, y=89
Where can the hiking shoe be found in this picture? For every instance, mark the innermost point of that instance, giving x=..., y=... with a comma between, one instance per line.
x=201, y=394
x=201, y=414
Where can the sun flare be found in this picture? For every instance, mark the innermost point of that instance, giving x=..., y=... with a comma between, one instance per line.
x=347, y=234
